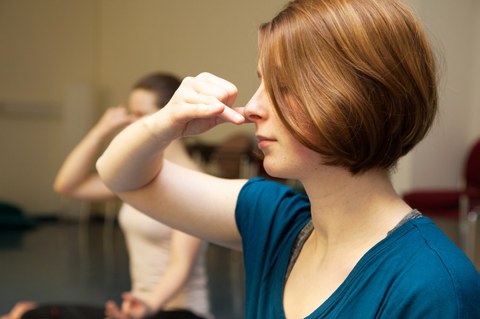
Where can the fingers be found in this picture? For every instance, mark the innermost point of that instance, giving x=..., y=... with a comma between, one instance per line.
x=207, y=107
x=199, y=104
x=128, y=302
x=133, y=307
x=115, y=117
x=222, y=89
x=131, y=298
x=111, y=310
x=231, y=115
x=212, y=96
x=119, y=110
x=241, y=111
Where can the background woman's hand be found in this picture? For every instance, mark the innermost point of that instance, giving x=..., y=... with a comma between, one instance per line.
x=112, y=311
x=132, y=308
x=19, y=310
x=113, y=119
x=199, y=104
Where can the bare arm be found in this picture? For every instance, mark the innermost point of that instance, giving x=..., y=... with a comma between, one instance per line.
x=183, y=255
x=176, y=152
x=133, y=165
x=76, y=178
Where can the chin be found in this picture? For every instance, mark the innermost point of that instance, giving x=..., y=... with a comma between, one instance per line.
x=276, y=170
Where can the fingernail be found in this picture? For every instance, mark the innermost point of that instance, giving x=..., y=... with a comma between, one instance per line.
x=239, y=117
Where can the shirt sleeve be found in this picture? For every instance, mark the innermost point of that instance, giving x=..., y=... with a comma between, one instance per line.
x=267, y=211
x=269, y=216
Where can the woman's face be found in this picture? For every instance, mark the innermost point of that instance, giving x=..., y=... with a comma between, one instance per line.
x=142, y=102
x=284, y=156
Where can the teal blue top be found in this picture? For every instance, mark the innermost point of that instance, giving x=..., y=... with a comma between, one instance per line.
x=415, y=272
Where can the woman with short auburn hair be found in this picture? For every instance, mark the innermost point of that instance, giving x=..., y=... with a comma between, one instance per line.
x=347, y=88
x=375, y=102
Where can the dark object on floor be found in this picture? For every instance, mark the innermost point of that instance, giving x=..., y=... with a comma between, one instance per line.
x=175, y=314
x=65, y=312
x=13, y=218
x=93, y=312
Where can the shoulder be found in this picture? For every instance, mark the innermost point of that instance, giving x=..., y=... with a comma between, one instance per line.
x=436, y=279
x=258, y=190
x=263, y=199
x=269, y=213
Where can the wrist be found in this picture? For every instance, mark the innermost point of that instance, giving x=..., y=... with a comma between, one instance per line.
x=153, y=127
x=151, y=307
x=100, y=132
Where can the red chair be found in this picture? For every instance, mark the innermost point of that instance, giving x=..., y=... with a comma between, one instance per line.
x=462, y=204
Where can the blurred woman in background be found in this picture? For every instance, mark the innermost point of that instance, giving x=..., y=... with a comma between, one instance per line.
x=167, y=266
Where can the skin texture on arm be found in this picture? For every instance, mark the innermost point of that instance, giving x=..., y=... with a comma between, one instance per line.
x=75, y=178
x=133, y=165
x=177, y=153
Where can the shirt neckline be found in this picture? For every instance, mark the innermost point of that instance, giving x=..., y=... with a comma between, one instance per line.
x=306, y=231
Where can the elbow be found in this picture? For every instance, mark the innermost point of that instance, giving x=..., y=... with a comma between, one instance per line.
x=119, y=177
x=62, y=189
x=99, y=166
x=106, y=178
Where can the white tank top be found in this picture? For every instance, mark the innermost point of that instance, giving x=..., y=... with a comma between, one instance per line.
x=148, y=242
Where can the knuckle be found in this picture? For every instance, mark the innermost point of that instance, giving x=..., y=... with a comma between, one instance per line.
x=203, y=75
x=188, y=80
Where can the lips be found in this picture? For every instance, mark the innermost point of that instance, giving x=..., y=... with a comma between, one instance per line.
x=263, y=141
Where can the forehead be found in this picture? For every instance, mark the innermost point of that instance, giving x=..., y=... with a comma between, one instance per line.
x=142, y=94
x=142, y=101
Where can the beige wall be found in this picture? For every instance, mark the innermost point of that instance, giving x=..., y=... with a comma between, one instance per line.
x=184, y=37
x=474, y=123
x=46, y=46
x=454, y=32
x=51, y=48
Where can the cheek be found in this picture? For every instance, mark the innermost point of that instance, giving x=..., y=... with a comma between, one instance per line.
x=290, y=160
x=301, y=158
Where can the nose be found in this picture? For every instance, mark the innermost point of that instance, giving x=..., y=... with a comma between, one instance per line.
x=255, y=109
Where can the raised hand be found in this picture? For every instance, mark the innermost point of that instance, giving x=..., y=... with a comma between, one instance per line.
x=113, y=119
x=199, y=104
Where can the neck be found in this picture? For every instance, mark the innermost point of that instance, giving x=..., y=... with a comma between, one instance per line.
x=353, y=210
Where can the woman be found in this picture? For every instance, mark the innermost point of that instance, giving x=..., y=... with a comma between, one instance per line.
x=347, y=88
x=166, y=266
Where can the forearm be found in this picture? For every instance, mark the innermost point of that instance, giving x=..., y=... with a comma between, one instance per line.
x=184, y=250
x=169, y=286
x=134, y=157
x=80, y=162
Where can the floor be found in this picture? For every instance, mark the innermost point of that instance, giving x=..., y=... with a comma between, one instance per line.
x=70, y=262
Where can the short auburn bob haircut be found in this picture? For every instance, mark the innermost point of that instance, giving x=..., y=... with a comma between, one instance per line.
x=353, y=80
